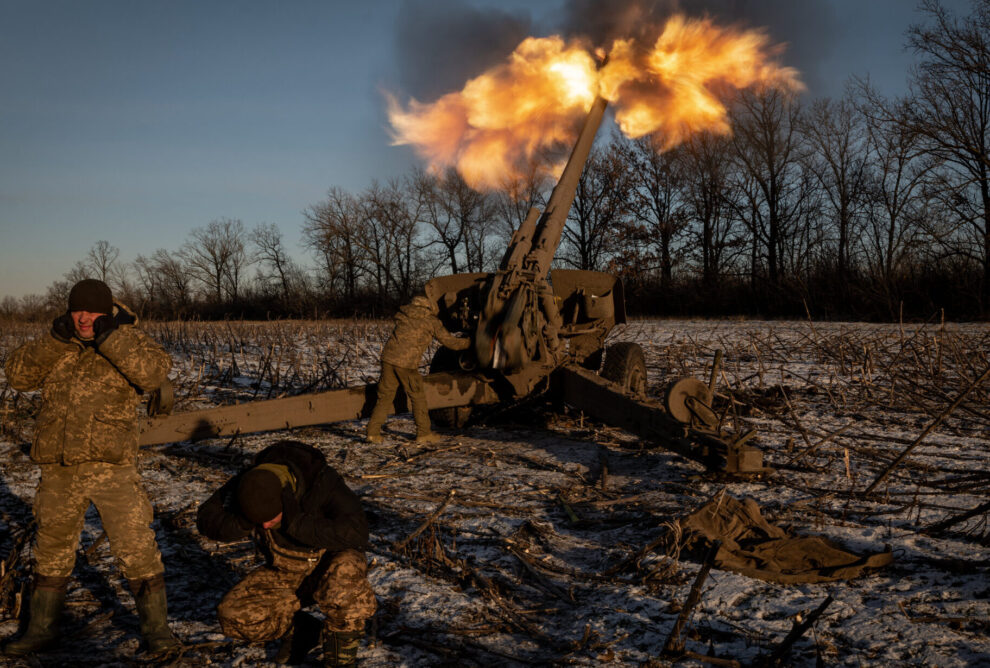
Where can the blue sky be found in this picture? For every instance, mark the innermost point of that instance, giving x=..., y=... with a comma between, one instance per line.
x=136, y=121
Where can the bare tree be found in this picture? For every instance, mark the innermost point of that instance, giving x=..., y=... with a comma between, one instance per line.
x=656, y=204
x=165, y=280
x=148, y=279
x=601, y=208
x=707, y=191
x=838, y=161
x=215, y=256
x=277, y=267
x=459, y=219
x=57, y=295
x=949, y=107
x=333, y=231
x=442, y=219
x=769, y=152
x=101, y=260
x=389, y=240
x=899, y=169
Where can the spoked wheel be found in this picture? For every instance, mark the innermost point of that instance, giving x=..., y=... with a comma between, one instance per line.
x=625, y=365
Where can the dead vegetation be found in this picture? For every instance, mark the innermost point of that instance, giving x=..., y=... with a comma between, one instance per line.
x=542, y=538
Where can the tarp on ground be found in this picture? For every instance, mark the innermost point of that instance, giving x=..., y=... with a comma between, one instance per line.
x=753, y=547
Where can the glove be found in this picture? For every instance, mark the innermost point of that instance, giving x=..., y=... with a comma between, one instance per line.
x=290, y=507
x=124, y=318
x=102, y=327
x=63, y=328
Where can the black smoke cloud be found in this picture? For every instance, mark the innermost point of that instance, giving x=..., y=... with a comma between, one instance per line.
x=808, y=29
x=442, y=44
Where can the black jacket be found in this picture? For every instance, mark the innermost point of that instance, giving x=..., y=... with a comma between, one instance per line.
x=331, y=516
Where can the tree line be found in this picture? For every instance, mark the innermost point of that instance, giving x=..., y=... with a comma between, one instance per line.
x=861, y=207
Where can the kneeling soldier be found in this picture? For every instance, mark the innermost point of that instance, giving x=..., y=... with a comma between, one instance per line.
x=312, y=531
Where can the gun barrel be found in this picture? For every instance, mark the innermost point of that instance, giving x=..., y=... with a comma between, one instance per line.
x=546, y=238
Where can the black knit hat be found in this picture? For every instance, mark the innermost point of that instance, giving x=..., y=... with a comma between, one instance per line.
x=91, y=295
x=259, y=495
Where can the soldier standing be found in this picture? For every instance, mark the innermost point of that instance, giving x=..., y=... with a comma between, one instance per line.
x=312, y=531
x=416, y=325
x=90, y=369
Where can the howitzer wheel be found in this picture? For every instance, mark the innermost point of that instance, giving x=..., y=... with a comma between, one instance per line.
x=446, y=359
x=625, y=365
x=689, y=400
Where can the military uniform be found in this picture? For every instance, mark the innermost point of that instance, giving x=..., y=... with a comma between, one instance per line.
x=416, y=326
x=86, y=444
x=314, y=555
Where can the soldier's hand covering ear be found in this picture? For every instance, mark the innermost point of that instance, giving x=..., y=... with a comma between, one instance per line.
x=102, y=327
x=290, y=507
x=63, y=328
x=124, y=318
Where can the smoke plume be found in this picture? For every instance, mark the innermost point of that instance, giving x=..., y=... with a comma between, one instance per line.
x=441, y=44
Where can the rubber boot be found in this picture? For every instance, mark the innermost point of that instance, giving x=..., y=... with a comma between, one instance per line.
x=47, y=600
x=340, y=648
x=149, y=594
x=302, y=637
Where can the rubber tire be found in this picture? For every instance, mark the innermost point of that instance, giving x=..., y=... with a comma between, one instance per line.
x=625, y=365
x=445, y=359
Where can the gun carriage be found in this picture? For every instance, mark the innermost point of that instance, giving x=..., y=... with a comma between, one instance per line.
x=533, y=329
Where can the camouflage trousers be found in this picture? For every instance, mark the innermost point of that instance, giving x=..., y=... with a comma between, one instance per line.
x=261, y=606
x=60, y=505
x=388, y=385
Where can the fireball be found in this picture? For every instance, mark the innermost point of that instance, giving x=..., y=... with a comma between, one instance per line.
x=534, y=101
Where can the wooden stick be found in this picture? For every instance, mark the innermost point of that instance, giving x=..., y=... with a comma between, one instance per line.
x=716, y=369
x=603, y=461
x=429, y=520
x=825, y=439
x=96, y=544
x=946, y=523
x=776, y=657
x=928, y=430
x=571, y=515
x=674, y=644
x=714, y=660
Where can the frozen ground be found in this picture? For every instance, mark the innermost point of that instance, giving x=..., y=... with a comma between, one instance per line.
x=528, y=561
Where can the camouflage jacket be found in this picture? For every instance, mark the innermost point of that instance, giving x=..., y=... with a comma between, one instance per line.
x=330, y=516
x=415, y=327
x=89, y=398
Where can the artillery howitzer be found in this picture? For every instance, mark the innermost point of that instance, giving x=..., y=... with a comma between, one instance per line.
x=529, y=334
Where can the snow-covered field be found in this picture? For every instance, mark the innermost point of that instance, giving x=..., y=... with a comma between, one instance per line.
x=528, y=562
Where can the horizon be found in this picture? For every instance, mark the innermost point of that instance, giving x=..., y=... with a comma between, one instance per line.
x=136, y=125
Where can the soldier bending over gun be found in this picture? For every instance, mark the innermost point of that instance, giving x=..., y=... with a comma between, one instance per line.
x=416, y=325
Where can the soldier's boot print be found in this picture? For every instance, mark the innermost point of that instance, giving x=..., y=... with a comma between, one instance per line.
x=47, y=601
x=149, y=595
x=340, y=648
x=301, y=638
